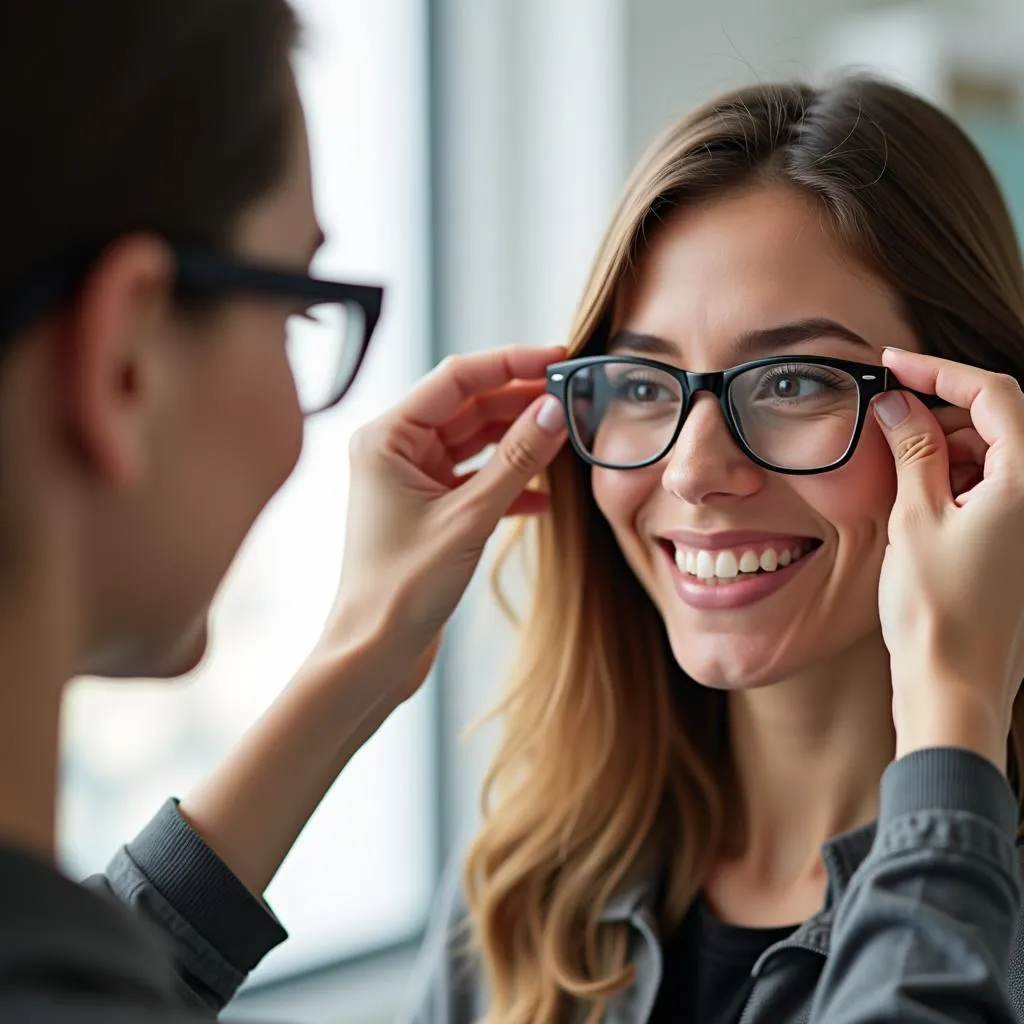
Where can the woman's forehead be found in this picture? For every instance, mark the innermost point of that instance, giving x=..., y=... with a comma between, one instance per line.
x=724, y=271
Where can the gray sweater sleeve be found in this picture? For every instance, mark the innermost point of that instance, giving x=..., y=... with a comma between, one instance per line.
x=217, y=931
x=924, y=931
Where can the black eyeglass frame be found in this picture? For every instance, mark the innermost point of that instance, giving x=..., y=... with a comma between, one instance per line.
x=211, y=274
x=871, y=380
x=203, y=273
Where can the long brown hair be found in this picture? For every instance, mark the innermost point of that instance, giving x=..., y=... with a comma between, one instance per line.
x=605, y=740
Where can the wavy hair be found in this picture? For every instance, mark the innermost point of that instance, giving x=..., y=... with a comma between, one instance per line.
x=608, y=747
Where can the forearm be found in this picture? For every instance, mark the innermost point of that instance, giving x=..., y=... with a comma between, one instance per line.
x=252, y=809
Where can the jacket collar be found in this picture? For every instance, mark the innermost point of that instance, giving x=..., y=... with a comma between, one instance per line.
x=842, y=854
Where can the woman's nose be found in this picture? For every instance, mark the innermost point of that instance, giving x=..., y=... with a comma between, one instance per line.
x=706, y=463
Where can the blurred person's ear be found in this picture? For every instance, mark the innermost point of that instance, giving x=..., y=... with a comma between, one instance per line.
x=107, y=356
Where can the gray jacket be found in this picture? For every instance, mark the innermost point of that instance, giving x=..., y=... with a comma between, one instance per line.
x=921, y=921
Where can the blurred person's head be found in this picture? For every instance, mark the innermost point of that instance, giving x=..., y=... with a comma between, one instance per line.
x=143, y=428
x=856, y=205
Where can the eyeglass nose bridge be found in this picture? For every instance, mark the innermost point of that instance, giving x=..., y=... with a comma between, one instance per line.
x=715, y=382
x=696, y=382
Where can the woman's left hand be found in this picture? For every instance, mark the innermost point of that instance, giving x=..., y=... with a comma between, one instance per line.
x=951, y=594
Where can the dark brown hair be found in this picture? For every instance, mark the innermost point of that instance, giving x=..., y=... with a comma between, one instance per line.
x=607, y=744
x=170, y=116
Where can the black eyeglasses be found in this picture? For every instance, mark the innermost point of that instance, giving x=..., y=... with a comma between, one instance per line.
x=789, y=414
x=327, y=335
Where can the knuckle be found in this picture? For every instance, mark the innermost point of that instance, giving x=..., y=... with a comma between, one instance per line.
x=517, y=455
x=361, y=441
x=450, y=364
x=915, y=447
x=906, y=518
x=1007, y=385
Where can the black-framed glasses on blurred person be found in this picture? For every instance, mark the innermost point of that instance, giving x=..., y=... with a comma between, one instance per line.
x=327, y=336
x=328, y=333
x=789, y=414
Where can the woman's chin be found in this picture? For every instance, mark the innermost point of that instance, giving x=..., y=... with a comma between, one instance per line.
x=730, y=664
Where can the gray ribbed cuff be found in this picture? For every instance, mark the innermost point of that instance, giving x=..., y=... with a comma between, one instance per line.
x=203, y=889
x=948, y=779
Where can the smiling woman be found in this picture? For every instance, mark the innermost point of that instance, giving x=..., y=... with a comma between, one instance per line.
x=703, y=711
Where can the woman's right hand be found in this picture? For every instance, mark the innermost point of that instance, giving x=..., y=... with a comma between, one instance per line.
x=951, y=595
x=415, y=530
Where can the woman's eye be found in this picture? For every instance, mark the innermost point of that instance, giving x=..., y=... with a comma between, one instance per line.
x=792, y=385
x=641, y=391
x=795, y=387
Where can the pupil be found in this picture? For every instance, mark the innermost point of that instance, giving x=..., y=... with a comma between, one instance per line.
x=784, y=386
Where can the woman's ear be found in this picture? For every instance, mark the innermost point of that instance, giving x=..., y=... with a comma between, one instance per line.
x=106, y=355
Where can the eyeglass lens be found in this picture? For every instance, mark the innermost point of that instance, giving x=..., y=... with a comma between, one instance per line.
x=324, y=344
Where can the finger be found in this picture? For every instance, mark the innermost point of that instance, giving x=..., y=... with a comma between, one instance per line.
x=995, y=400
x=919, y=450
x=450, y=385
x=522, y=454
x=503, y=405
x=530, y=503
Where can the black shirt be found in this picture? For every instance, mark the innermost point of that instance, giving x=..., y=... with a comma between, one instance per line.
x=706, y=969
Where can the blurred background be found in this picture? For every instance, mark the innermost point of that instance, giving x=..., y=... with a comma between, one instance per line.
x=467, y=154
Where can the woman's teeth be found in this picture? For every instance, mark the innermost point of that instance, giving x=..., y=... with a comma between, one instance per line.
x=732, y=565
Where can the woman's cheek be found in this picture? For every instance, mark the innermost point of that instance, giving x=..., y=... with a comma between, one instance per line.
x=624, y=497
x=862, y=491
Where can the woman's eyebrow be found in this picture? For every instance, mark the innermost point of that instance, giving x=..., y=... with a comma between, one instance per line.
x=765, y=340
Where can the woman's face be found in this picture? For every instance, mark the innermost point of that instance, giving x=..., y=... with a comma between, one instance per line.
x=710, y=279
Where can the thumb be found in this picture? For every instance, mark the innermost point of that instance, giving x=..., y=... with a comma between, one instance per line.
x=918, y=446
x=525, y=450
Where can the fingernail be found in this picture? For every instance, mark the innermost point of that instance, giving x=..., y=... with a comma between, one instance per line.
x=550, y=417
x=892, y=408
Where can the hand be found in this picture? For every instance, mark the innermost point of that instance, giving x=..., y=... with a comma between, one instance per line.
x=951, y=594
x=416, y=530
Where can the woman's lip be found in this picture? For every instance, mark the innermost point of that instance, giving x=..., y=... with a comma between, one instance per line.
x=723, y=596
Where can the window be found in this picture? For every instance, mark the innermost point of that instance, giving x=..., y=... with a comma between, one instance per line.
x=361, y=875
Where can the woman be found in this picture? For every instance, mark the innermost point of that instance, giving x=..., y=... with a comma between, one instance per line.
x=157, y=230
x=734, y=627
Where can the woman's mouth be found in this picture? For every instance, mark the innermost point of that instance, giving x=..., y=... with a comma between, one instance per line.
x=729, y=565
x=713, y=576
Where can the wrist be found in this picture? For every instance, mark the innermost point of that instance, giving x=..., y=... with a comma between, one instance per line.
x=359, y=666
x=949, y=717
